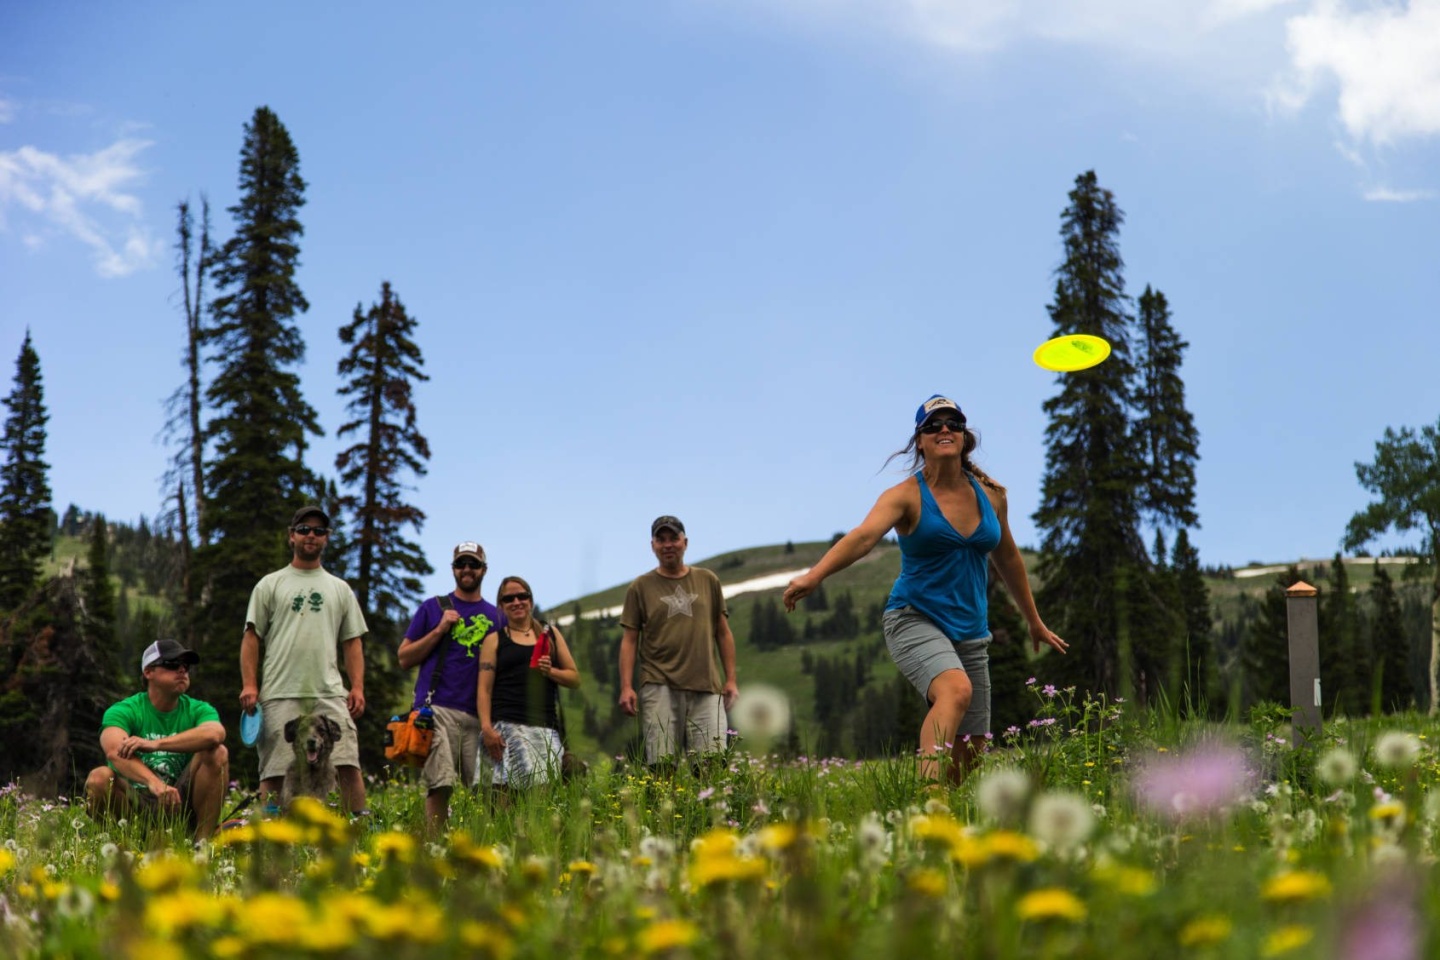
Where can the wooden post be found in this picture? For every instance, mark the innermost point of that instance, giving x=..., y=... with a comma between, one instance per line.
x=1304, y=633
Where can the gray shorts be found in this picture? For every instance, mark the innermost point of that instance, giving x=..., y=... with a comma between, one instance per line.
x=923, y=652
x=456, y=744
x=675, y=721
x=276, y=755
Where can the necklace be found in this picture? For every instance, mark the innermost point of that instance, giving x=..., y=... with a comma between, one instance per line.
x=515, y=629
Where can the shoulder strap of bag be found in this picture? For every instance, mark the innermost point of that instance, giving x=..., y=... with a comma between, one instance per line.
x=555, y=688
x=445, y=604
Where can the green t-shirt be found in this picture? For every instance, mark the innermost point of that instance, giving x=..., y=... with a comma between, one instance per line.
x=138, y=717
x=301, y=615
x=679, y=621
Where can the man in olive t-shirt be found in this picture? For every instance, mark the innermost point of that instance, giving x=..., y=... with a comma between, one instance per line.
x=164, y=749
x=674, y=622
x=299, y=615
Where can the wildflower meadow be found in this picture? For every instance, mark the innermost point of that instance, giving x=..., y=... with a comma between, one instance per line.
x=1088, y=833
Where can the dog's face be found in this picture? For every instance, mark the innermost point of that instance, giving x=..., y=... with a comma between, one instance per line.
x=314, y=735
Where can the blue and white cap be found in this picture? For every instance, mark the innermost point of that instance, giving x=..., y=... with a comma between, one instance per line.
x=934, y=405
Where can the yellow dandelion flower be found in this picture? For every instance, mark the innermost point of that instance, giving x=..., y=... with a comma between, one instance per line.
x=582, y=867
x=724, y=869
x=928, y=882
x=1127, y=880
x=779, y=836
x=663, y=935
x=176, y=912
x=394, y=845
x=1393, y=810
x=1206, y=931
x=1052, y=903
x=1293, y=886
x=1287, y=938
x=937, y=829
x=720, y=842
x=642, y=862
x=282, y=833
x=312, y=811
x=360, y=859
x=236, y=836
x=513, y=915
x=486, y=938
x=1009, y=845
x=330, y=933
x=165, y=873
x=108, y=891
x=273, y=918
x=466, y=851
x=51, y=890
x=7, y=861
x=227, y=948
x=970, y=852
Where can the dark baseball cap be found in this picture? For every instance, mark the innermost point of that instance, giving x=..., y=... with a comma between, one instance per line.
x=936, y=404
x=666, y=521
x=166, y=650
x=310, y=511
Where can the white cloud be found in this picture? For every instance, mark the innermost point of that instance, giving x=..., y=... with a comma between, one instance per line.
x=84, y=196
x=1388, y=195
x=1385, y=59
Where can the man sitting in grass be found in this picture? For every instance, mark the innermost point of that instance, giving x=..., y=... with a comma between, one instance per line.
x=165, y=750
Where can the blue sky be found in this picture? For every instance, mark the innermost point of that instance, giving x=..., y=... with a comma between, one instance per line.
x=705, y=258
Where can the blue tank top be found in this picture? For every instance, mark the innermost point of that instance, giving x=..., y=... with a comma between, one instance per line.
x=943, y=574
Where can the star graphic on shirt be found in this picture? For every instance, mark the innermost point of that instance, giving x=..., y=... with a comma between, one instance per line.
x=680, y=602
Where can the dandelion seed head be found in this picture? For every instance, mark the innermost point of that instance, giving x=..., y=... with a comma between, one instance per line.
x=1397, y=749
x=1338, y=766
x=762, y=713
x=1063, y=821
x=1001, y=794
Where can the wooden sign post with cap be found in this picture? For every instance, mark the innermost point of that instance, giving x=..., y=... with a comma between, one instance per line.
x=1304, y=632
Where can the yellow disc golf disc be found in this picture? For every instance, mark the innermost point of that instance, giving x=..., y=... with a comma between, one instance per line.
x=1076, y=351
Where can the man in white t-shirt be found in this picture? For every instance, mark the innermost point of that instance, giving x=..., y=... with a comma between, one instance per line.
x=299, y=615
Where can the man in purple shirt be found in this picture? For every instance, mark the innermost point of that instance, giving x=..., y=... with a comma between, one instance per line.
x=445, y=644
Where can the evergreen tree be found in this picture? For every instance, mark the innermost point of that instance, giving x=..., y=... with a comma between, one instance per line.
x=259, y=420
x=1198, y=693
x=1405, y=475
x=1165, y=430
x=1345, y=670
x=26, y=519
x=379, y=372
x=1090, y=500
x=95, y=587
x=1390, y=644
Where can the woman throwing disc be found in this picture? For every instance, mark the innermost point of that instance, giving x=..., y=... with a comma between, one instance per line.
x=936, y=621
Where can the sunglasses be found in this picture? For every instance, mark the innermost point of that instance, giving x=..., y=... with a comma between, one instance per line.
x=512, y=597
x=175, y=665
x=468, y=564
x=938, y=424
x=305, y=530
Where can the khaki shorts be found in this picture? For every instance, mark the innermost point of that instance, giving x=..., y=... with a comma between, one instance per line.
x=675, y=721
x=276, y=755
x=457, y=742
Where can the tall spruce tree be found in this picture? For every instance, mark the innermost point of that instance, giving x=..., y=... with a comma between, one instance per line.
x=95, y=588
x=1390, y=643
x=1405, y=476
x=1345, y=662
x=1092, y=556
x=1195, y=649
x=380, y=371
x=27, y=521
x=256, y=476
x=1165, y=430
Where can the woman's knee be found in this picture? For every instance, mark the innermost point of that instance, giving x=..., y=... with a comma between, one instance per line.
x=951, y=689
